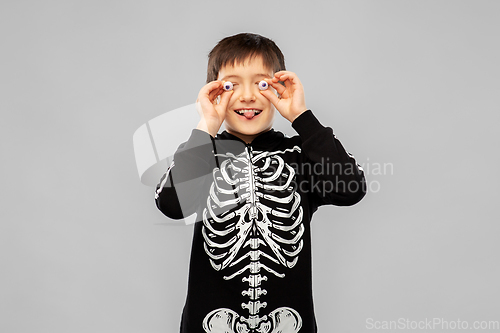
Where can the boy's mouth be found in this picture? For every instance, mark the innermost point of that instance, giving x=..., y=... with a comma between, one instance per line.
x=248, y=113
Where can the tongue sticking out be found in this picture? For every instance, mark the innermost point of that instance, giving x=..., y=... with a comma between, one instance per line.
x=249, y=114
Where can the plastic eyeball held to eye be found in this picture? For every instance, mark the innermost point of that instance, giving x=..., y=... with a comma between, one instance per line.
x=263, y=85
x=228, y=86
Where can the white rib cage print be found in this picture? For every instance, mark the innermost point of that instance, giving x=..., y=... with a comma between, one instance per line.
x=252, y=224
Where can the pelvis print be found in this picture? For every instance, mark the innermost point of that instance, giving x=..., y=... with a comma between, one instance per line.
x=281, y=320
x=252, y=225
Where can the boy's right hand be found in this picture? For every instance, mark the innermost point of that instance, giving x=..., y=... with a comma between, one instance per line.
x=212, y=114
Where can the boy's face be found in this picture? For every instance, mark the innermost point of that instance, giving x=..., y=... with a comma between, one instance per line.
x=246, y=96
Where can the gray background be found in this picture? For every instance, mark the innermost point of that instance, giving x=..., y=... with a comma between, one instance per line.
x=411, y=83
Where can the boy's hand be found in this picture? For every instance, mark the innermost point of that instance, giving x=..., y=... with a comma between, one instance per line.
x=292, y=102
x=212, y=114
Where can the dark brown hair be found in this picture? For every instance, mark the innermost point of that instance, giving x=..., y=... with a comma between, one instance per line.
x=237, y=48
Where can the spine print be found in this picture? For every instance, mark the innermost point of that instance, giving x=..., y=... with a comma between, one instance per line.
x=252, y=225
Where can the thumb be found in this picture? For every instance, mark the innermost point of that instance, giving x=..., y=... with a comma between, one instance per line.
x=224, y=101
x=271, y=97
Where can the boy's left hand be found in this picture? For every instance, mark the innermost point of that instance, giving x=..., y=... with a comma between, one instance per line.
x=292, y=102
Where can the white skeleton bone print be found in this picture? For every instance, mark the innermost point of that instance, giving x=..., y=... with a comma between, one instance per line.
x=252, y=224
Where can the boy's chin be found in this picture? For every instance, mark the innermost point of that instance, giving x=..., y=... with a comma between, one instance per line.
x=249, y=131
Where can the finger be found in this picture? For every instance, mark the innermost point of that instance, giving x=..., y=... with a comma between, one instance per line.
x=285, y=78
x=290, y=79
x=206, y=96
x=271, y=97
x=213, y=85
x=293, y=83
x=214, y=93
x=208, y=88
x=276, y=85
x=279, y=80
x=284, y=75
x=278, y=74
x=288, y=82
x=226, y=96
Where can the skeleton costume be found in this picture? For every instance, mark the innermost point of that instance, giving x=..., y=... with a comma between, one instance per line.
x=250, y=268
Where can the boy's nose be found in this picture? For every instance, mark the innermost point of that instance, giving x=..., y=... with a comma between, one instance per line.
x=247, y=96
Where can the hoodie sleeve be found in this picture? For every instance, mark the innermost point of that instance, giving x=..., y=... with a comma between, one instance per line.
x=335, y=177
x=178, y=192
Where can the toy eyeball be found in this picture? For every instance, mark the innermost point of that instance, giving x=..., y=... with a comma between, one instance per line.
x=263, y=85
x=228, y=86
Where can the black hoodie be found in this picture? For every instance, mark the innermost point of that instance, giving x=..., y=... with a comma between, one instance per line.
x=250, y=268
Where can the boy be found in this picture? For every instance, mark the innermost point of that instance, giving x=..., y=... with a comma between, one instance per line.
x=254, y=191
